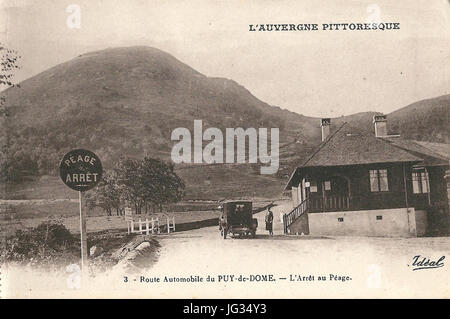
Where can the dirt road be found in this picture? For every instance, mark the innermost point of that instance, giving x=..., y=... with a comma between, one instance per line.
x=351, y=266
x=277, y=267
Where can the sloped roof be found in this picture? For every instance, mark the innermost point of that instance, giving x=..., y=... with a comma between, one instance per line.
x=350, y=146
x=430, y=157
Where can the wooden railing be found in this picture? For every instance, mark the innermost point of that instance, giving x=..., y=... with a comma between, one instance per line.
x=292, y=216
x=312, y=205
x=331, y=203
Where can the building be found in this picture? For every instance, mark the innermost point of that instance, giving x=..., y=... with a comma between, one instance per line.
x=364, y=184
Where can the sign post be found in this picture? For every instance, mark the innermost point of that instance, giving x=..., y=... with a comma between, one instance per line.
x=84, y=254
x=81, y=170
x=129, y=219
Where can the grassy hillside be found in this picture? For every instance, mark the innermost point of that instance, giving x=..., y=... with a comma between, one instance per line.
x=127, y=101
x=426, y=120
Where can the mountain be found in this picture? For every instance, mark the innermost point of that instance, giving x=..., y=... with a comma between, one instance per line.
x=426, y=120
x=127, y=101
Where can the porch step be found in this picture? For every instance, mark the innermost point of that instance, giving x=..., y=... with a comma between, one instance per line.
x=293, y=215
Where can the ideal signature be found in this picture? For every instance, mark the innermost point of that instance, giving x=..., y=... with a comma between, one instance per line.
x=420, y=262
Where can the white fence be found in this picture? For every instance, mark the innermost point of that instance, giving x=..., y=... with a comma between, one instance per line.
x=170, y=224
x=148, y=227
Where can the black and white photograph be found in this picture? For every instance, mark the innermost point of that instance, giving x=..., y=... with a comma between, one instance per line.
x=173, y=149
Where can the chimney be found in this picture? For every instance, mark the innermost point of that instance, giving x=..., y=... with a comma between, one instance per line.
x=325, y=126
x=380, y=122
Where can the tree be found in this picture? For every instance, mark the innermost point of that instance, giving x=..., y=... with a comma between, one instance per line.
x=140, y=183
x=161, y=185
x=106, y=195
x=9, y=63
x=129, y=183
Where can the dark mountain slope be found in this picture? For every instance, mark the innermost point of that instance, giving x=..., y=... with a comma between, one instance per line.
x=426, y=120
x=127, y=101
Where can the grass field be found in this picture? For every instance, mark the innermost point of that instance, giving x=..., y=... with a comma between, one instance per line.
x=213, y=182
x=44, y=187
x=21, y=214
x=36, y=199
x=100, y=223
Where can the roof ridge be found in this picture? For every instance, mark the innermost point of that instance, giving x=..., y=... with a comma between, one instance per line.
x=436, y=154
x=433, y=153
x=324, y=143
x=387, y=142
x=384, y=139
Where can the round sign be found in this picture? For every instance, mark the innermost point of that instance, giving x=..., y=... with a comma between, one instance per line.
x=80, y=169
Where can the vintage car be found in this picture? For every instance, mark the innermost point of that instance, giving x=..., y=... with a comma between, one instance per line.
x=237, y=219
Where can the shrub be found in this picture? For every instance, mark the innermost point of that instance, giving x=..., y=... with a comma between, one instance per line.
x=40, y=244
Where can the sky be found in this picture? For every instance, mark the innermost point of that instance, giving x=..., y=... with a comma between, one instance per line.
x=320, y=73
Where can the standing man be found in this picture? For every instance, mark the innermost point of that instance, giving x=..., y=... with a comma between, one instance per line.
x=269, y=221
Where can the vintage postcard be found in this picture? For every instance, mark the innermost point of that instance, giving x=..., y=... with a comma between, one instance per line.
x=224, y=149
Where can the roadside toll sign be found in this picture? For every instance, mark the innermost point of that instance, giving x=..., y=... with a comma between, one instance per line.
x=80, y=170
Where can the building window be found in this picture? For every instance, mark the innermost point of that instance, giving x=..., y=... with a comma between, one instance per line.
x=340, y=219
x=420, y=181
x=379, y=180
x=327, y=185
x=313, y=187
x=379, y=217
